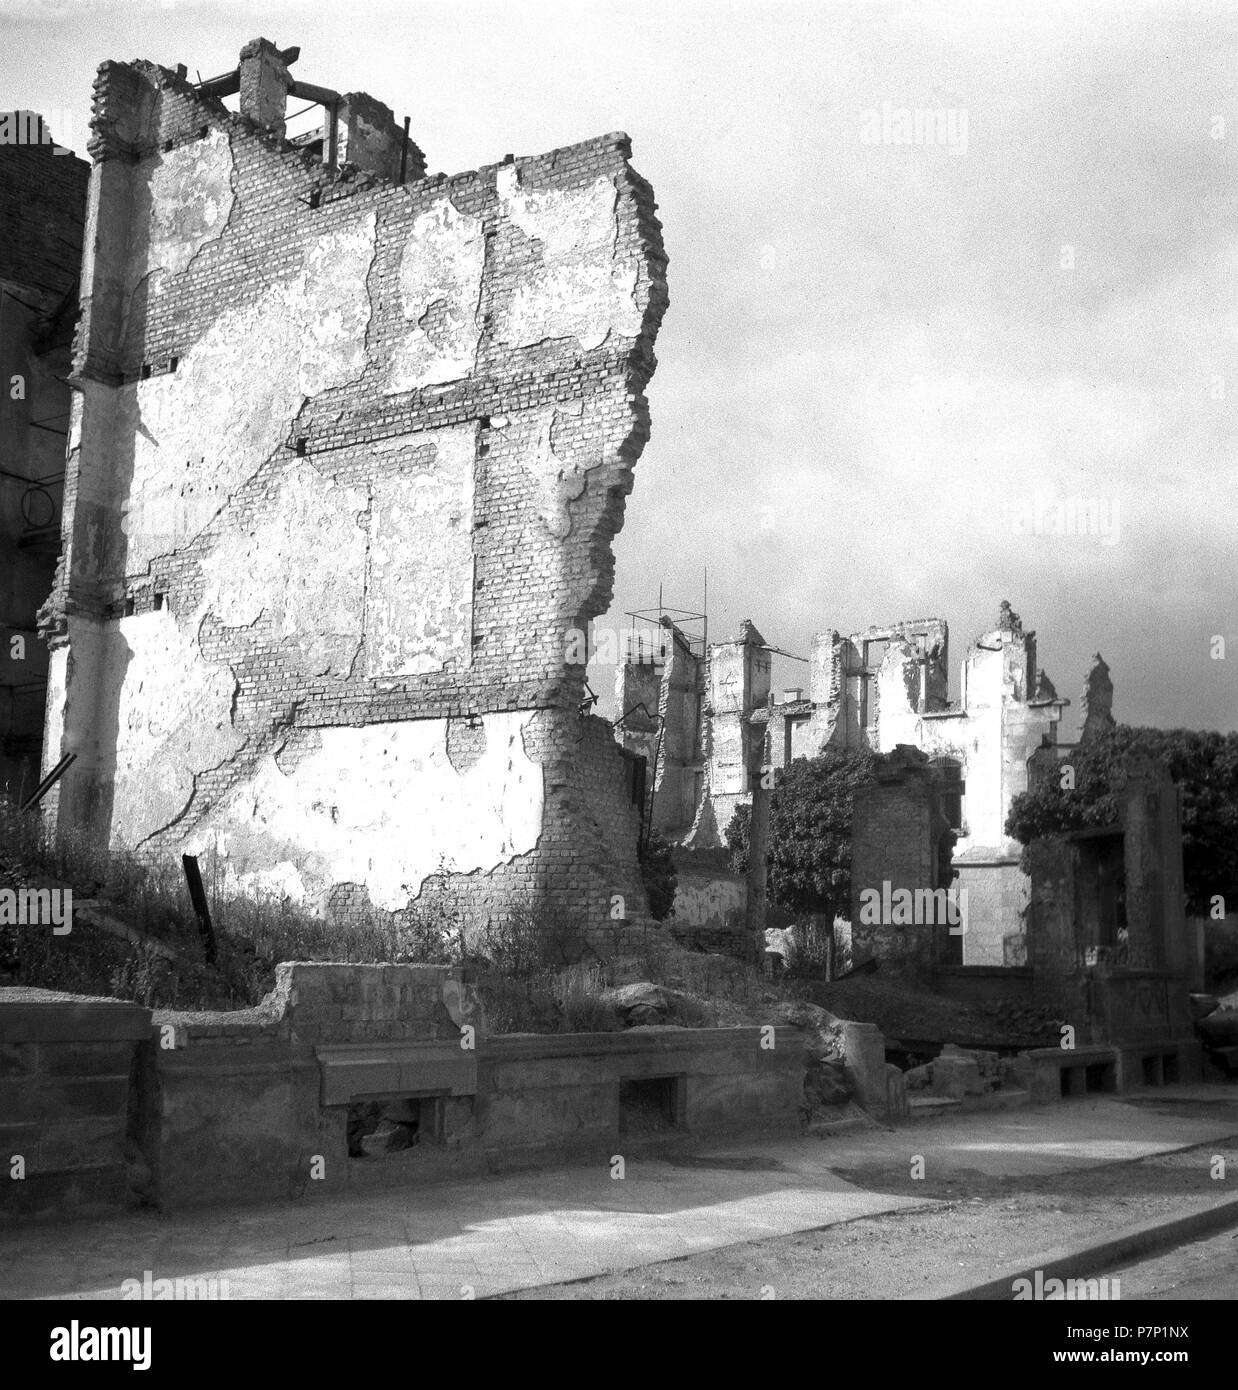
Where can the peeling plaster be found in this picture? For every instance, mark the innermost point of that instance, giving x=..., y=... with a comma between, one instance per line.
x=303, y=565
x=202, y=431
x=333, y=304
x=559, y=480
x=186, y=202
x=419, y=589
x=581, y=290
x=174, y=720
x=348, y=812
x=441, y=268
x=349, y=599
x=466, y=742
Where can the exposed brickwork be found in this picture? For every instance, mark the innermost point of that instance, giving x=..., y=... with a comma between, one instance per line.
x=427, y=501
x=42, y=198
x=900, y=842
x=363, y=1003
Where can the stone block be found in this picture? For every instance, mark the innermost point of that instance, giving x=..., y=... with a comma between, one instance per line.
x=896, y=1094
x=864, y=1051
x=956, y=1076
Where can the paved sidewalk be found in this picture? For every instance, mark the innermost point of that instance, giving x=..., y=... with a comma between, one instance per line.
x=498, y=1234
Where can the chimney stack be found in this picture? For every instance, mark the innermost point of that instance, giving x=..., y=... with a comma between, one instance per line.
x=265, y=81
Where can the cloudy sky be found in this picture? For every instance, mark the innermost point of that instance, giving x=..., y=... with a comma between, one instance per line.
x=899, y=376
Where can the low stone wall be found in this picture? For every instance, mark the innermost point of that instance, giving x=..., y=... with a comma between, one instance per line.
x=68, y=1141
x=239, y=1108
x=246, y=1117
x=264, y=1104
x=1057, y=1072
x=554, y=1094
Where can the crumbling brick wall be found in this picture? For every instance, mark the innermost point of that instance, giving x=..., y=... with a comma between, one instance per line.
x=900, y=844
x=345, y=468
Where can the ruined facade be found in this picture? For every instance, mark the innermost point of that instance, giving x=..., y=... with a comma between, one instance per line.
x=659, y=698
x=889, y=686
x=345, y=465
x=1107, y=935
x=979, y=747
x=738, y=684
x=42, y=207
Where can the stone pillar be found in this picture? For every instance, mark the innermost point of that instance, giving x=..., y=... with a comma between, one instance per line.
x=265, y=81
x=864, y=1052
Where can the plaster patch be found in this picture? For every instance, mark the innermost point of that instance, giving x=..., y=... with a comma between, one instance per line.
x=559, y=478
x=419, y=589
x=441, y=267
x=334, y=306
x=186, y=202
x=174, y=720
x=200, y=432
x=54, y=727
x=348, y=812
x=581, y=290
x=298, y=744
x=303, y=565
x=466, y=742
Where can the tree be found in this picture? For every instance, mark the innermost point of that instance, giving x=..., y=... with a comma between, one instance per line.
x=1203, y=763
x=658, y=873
x=810, y=831
x=809, y=853
x=737, y=839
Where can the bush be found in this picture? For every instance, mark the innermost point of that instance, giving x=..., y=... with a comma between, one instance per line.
x=526, y=941
x=1203, y=763
x=812, y=951
x=737, y=836
x=578, y=995
x=657, y=869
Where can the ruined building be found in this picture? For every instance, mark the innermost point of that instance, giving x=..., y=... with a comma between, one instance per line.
x=42, y=206
x=882, y=688
x=348, y=451
x=1108, y=941
x=659, y=695
x=902, y=843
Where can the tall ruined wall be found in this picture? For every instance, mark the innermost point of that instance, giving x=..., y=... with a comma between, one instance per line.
x=681, y=765
x=667, y=731
x=893, y=848
x=345, y=467
x=738, y=682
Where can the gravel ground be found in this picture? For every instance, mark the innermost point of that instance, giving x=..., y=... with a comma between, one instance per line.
x=978, y=1226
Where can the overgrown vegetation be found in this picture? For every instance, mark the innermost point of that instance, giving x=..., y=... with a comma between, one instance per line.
x=813, y=953
x=658, y=873
x=1205, y=766
x=809, y=854
x=534, y=971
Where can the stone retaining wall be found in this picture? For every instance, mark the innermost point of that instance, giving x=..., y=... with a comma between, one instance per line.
x=258, y=1105
x=68, y=1139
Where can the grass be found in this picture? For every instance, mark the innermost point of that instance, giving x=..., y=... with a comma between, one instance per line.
x=533, y=971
